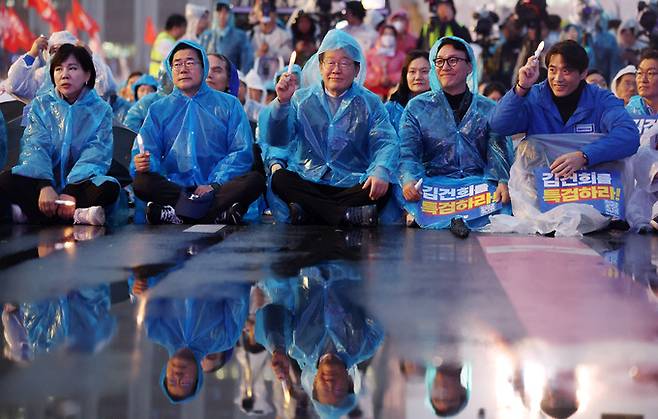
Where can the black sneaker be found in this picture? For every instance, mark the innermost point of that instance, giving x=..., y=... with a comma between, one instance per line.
x=459, y=228
x=161, y=214
x=365, y=216
x=231, y=216
x=654, y=223
x=297, y=214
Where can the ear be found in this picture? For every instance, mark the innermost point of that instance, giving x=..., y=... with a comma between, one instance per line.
x=583, y=75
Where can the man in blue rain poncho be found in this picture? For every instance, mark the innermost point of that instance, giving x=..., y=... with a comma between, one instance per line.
x=342, y=148
x=314, y=320
x=581, y=124
x=137, y=113
x=66, y=150
x=199, y=334
x=197, y=149
x=445, y=136
x=224, y=38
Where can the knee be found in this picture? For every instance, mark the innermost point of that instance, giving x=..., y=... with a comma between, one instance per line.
x=141, y=185
x=279, y=179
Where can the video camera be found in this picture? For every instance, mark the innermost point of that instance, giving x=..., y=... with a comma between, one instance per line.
x=648, y=19
x=531, y=12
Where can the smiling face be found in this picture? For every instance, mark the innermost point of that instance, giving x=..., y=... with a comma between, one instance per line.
x=418, y=78
x=70, y=78
x=332, y=383
x=562, y=78
x=338, y=71
x=452, y=77
x=181, y=375
x=187, y=71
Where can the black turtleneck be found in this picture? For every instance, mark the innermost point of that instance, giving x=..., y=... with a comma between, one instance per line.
x=459, y=104
x=567, y=105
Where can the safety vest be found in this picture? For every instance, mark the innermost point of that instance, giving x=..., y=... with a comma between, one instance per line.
x=156, y=56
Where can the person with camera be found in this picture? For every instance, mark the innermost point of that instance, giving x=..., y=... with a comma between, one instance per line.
x=441, y=25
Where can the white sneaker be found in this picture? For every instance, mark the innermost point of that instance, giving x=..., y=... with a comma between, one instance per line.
x=17, y=214
x=94, y=216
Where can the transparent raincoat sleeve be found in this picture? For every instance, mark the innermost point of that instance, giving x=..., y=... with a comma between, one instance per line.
x=239, y=158
x=279, y=123
x=150, y=133
x=411, y=149
x=35, y=159
x=500, y=156
x=383, y=145
x=96, y=156
x=24, y=80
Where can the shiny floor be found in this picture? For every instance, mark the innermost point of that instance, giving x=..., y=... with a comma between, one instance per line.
x=493, y=326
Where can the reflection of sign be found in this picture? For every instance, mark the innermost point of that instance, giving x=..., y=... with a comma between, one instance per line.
x=602, y=190
x=440, y=202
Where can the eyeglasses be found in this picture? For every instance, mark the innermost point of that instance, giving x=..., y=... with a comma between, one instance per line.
x=651, y=74
x=343, y=65
x=178, y=65
x=452, y=61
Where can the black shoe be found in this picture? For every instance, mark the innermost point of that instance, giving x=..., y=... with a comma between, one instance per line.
x=654, y=223
x=297, y=214
x=365, y=216
x=459, y=228
x=230, y=216
x=161, y=214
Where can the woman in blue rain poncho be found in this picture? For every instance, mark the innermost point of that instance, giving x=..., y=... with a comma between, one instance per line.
x=314, y=320
x=143, y=86
x=199, y=334
x=137, y=113
x=193, y=155
x=414, y=81
x=66, y=150
x=447, y=143
x=341, y=147
x=222, y=74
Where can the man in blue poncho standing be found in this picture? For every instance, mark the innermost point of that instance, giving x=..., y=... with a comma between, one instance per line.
x=341, y=147
x=444, y=133
x=197, y=150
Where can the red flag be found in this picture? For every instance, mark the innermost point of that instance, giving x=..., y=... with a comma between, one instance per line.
x=48, y=13
x=149, y=32
x=16, y=35
x=71, y=25
x=83, y=20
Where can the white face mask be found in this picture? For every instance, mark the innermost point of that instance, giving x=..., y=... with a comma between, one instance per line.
x=387, y=41
x=399, y=26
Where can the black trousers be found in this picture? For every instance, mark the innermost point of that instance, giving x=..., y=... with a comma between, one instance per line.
x=323, y=203
x=245, y=189
x=24, y=192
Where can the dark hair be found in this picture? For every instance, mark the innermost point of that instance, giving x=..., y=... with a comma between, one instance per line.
x=494, y=86
x=321, y=60
x=453, y=371
x=458, y=45
x=385, y=26
x=182, y=46
x=592, y=71
x=649, y=54
x=572, y=53
x=175, y=21
x=402, y=95
x=553, y=22
x=135, y=73
x=81, y=55
x=356, y=8
x=297, y=34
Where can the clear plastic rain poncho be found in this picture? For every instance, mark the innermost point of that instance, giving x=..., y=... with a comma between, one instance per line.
x=66, y=143
x=438, y=150
x=137, y=113
x=567, y=219
x=145, y=79
x=340, y=150
x=193, y=14
x=79, y=321
x=200, y=140
x=204, y=325
x=316, y=312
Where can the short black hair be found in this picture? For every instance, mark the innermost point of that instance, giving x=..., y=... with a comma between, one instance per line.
x=592, y=71
x=458, y=45
x=135, y=73
x=174, y=21
x=81, y=55
x=356, y=8
x=572, y=53
x=383, y=26
x=403, y=94
x=494, y=86
x=181, y=47
x=649, y=54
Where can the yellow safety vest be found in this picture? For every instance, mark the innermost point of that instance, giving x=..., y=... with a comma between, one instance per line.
x=156, y=56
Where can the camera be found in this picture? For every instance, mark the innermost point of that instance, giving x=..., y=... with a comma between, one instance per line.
x=531, y=12
x=648, y=18
x=485, y=21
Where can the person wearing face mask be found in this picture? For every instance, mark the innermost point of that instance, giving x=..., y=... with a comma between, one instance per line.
x=385, y=62
x=405, y=40
x=414, y=80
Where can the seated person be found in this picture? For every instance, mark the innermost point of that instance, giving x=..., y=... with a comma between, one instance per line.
x=341, y=147
x=444, y=133
x=643, y=204
x=196, y=141
x=414, y=80
x=222, y=75
x=624, y=84
x=66, y=150
x=144, y=85
x=589, y=123
x=137, y=113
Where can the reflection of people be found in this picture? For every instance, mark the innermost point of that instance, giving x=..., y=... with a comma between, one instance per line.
x=197, y=142
x=448, y=393
x=199, y=334
x=314, y=319
x=559, y=399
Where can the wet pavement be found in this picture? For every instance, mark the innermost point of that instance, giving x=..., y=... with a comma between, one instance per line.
x=382, y=323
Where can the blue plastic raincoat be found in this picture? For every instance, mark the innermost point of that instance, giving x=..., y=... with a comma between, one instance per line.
x=395, y=111
x=637, y=107
x=200, y=140
x=204, y=325
x=66, y=143
x=316, y=312
x=137, y=114
x=120, y=107
x=145, y=79
x=230, y=42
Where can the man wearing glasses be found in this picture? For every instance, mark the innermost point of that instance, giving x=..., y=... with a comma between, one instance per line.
x=193, y=154
x=335, y=149
x=444, y=132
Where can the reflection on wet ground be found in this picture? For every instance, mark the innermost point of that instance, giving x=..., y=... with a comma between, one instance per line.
x=278, y=321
